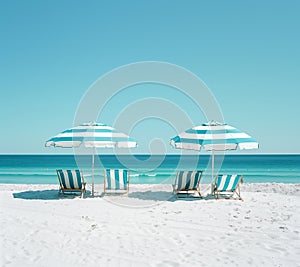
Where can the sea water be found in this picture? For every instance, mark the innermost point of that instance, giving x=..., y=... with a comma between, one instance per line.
x=149, y=169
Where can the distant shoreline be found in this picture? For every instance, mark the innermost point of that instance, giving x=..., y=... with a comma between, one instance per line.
x=140, y=154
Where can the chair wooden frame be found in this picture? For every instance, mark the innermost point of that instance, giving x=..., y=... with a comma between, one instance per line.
x=113, y=191
x=179, y=191
x=231, y=192
x=63, y=188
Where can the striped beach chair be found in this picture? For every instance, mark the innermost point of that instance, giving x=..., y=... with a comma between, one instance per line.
x=71, y=181
x=187, y=182
x=229, y=185
x=116, y=181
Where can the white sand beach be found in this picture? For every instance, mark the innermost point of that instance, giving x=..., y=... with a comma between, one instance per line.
x=148, y=228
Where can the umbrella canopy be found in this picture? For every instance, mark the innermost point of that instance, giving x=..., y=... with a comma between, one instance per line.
x=214, y=136
x=92, y=135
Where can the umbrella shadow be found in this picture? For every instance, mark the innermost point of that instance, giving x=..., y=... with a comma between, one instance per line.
x=167, y=196
x=51, y=194
x=153, y=195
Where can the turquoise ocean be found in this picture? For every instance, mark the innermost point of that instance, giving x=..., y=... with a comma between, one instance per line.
x=149, y=169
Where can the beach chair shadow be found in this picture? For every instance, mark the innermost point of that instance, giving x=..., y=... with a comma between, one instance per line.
x=37, y=194
x=50, y=194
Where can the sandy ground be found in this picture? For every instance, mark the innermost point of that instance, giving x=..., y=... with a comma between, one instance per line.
x=150, y=227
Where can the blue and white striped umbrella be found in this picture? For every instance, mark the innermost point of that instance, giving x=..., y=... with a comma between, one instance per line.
x=92, y=135
x=214, y=136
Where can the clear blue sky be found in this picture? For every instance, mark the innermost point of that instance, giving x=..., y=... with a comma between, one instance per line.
x=247, y=52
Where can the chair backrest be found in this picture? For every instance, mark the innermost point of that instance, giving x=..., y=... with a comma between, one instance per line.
x=228, y=182
x=70, y=179
x=187, y=180
x=116, y=179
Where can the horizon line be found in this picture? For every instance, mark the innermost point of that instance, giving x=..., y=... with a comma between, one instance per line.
x=144, y=154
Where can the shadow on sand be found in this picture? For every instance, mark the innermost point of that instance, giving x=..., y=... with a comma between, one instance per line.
x=51, y=194
x=153, y=195
x=166, y=196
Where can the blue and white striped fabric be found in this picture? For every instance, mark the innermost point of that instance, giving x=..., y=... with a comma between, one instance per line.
x=70, y=179
x=227, y=183
x=187, y=180
x=116, y=179
x=214, y=136
x=92, y=135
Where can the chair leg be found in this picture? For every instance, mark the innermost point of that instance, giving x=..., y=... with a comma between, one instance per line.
x=238, y=192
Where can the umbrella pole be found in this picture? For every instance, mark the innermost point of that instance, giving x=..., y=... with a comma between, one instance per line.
x=212, y=164
x=212, y=170
x=93, y=164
